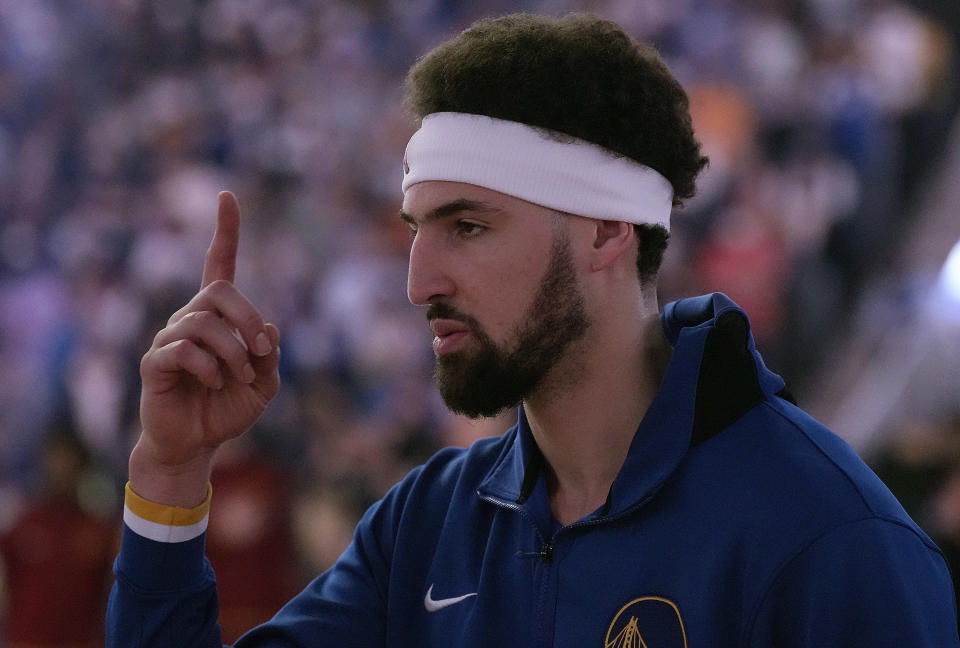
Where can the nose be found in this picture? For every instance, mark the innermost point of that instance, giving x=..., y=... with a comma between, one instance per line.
x=428, y=277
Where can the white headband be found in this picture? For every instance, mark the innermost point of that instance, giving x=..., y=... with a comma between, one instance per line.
x=572, y=176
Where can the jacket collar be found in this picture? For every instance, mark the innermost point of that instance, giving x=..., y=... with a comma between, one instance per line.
x=711, y=343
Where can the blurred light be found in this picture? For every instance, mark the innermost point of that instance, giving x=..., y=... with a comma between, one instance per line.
x=950, y=275
x=945, y=303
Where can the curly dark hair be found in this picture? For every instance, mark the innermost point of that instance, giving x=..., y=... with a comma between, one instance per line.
x=578, y=75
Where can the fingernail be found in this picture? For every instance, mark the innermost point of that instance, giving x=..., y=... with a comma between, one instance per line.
x=262, y=344
x=248, y=374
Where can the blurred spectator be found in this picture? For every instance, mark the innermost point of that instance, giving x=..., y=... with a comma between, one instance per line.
x=921, y=465
x=946, y=508
x=324, y=519
x=249, y=540
x=57, y=558
x=745, y=254
x=916, y=462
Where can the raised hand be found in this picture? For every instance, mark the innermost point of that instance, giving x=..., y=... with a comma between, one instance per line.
x=207, y=377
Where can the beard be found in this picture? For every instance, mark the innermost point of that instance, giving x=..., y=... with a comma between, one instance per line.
x=489, y=379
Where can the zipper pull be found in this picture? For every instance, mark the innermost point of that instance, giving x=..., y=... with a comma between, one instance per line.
x=546, y=552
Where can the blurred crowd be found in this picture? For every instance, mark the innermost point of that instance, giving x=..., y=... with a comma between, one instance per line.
x=120, y=120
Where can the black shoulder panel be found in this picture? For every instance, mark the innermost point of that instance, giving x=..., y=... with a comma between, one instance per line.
x=728, y=386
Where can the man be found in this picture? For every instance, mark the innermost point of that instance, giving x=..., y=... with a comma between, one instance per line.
x=55, y=556
x=656, y=490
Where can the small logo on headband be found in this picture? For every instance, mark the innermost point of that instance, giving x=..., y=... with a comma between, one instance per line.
x=406, y=165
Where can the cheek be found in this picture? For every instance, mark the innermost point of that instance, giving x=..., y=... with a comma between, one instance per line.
x=498, y=283
x=502, y=300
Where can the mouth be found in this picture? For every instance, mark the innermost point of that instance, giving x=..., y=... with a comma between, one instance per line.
x=449, y=335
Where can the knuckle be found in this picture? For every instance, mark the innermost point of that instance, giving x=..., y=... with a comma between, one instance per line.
x=199, y=317
x=176, y=317
x=253, y=323
x=235, y=356
x=182, y=350
x=219, y=287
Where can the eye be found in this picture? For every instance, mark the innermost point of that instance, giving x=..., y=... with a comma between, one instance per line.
x=468, y=229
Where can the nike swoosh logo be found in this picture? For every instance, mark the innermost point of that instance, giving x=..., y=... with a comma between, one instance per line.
x=433, y=604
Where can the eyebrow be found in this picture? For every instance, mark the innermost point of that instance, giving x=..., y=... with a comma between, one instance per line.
x=449, y=209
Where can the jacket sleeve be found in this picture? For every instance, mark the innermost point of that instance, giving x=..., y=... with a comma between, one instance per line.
x=164, y=593
x=165, y=596
x=870, y=582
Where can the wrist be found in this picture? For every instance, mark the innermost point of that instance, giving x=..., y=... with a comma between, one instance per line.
x=183, y=485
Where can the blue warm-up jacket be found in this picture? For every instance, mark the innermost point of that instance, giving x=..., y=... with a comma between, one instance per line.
x=736, y=520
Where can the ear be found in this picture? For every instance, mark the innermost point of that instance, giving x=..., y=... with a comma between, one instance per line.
x=612, y=240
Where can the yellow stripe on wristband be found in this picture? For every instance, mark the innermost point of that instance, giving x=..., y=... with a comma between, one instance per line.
x=166, y=515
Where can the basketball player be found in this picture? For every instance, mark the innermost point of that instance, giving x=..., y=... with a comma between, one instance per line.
x=658, y=488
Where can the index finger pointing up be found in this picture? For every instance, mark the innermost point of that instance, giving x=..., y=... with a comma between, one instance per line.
x=221, y=259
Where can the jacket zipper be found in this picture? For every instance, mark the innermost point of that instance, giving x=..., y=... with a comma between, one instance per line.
x=546, y=547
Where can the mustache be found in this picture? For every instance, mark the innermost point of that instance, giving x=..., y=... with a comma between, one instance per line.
x=443, y=310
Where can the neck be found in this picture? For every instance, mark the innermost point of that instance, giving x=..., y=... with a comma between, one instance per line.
x=586, y=415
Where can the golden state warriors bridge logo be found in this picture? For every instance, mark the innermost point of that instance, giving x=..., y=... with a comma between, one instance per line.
x=647, y=622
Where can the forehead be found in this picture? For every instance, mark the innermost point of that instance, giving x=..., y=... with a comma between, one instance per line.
x=424, y=199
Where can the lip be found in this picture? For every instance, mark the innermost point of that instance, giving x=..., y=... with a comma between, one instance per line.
x=444, y=327
x=449, y=335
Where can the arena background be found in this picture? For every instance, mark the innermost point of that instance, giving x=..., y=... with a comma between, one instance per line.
x=829, y=212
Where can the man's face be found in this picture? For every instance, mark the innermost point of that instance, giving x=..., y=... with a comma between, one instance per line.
x=498, y=277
